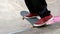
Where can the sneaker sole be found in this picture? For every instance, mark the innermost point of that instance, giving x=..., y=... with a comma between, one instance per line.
x=39, y=25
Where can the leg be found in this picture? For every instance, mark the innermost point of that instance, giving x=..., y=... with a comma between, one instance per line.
x=41, y=8
x=30, y=6
x=31, y=9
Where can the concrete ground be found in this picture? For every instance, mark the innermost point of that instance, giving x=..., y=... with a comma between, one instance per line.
x=11, y=21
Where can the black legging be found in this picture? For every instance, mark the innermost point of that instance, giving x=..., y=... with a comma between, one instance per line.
x=38, y=6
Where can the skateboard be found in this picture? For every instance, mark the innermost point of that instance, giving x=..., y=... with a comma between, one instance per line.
x=30, y=20
x=55, y=19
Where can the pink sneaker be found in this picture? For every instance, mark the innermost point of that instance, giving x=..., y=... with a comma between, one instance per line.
x=42, y=21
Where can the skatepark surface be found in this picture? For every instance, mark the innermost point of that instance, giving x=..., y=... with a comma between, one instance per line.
x=11, y=21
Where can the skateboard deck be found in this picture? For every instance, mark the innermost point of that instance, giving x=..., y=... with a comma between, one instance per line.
x=35, y=19
x=30, y=20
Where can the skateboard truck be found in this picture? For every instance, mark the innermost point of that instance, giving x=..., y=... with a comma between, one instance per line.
x=23, y=18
